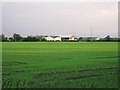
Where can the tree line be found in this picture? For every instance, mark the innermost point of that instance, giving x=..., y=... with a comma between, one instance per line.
x=106, y=39
x=19, y=38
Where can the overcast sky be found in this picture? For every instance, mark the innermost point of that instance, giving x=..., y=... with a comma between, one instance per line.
x=60, y=18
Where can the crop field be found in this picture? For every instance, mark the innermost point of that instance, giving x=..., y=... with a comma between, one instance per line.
x=60, y=65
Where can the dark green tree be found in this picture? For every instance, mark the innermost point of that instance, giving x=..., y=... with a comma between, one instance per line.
x=17, y=37
x=11, y=39
x=80, y=38
x=0, y=38
x=43, y=39
x=3, y=38
x=107, y=38
x=30, y=38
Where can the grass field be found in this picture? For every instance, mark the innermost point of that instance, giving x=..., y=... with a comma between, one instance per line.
x=60, y=64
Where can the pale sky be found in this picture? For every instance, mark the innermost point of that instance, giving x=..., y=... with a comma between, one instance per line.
x=60, y=18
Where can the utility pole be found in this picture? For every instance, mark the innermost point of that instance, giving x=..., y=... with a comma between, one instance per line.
x=91, y=34
x=73, y=33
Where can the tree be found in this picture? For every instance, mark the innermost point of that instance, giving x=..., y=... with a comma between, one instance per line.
x=11, y=39
x=30, y=38
x=0, y=38
x=80, y=38
x=107, y=38
x=3, y=38
x=43, y=39
x=17, y=37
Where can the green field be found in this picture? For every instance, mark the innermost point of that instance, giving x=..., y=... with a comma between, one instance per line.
x=60, y=64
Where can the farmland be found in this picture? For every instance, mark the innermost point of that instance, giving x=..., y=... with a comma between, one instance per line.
x=60, y=65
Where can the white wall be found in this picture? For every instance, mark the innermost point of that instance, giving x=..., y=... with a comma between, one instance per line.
x=49, y=38
x=57, y=39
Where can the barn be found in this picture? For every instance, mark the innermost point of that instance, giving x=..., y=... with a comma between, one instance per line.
x=69, y=38
x=52, y=38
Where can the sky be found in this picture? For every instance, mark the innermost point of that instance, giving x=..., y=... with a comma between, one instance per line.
x=60, y=18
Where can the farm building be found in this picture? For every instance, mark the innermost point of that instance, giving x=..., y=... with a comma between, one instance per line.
x=73, y=38
x=52, y=38
x=69, y=38
x=56, y=38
